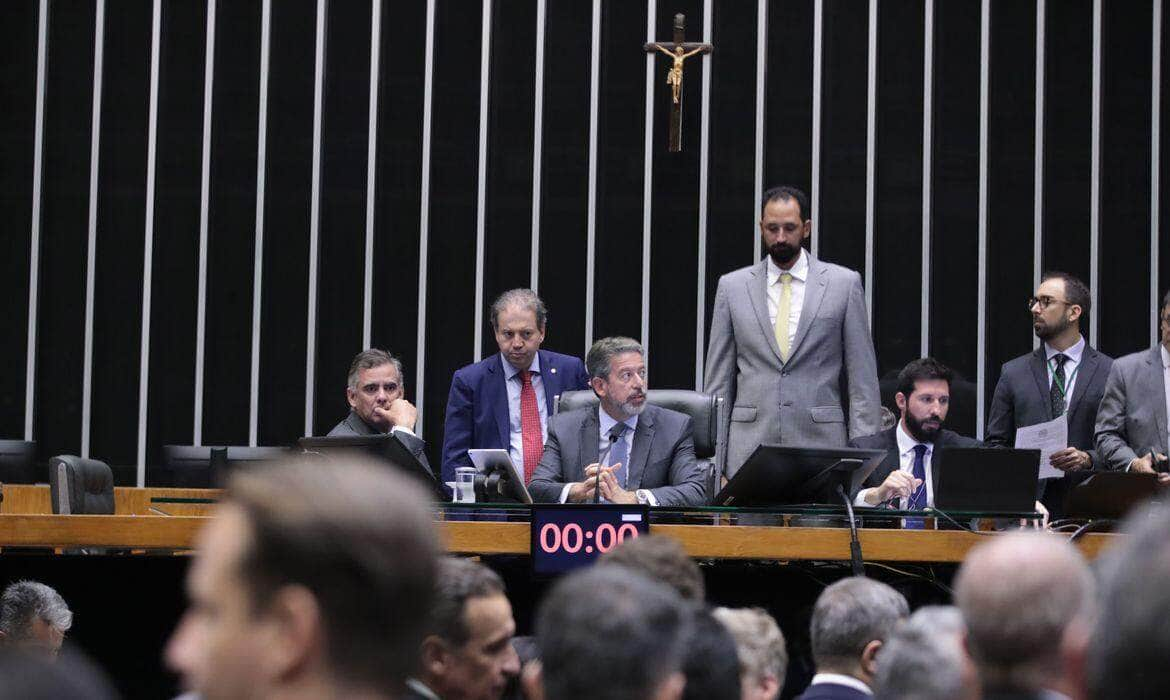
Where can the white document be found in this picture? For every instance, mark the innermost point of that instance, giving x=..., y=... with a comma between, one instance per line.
x=1048, y=438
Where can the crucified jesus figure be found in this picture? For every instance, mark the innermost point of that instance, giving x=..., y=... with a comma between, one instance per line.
x=675, y=76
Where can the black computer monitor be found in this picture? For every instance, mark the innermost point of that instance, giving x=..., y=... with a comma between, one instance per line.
x=793, y=475
x=17, y=463
x=985, y=479
x=208, y=466
x=1109, y=495
x=387, y=448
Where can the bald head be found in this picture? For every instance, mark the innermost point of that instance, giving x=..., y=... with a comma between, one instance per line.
x=1019, y=593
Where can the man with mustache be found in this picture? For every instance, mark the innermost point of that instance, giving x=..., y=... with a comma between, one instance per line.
x=643, y=453
x=790, y=350
x=923, y=398
x=1064, y=376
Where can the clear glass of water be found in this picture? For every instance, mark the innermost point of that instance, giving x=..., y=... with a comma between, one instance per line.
x=464, y=491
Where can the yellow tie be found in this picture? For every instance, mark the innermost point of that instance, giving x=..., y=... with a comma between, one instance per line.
x=782, y=314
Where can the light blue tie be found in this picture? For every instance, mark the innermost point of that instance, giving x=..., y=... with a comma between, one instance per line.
x=619, y=453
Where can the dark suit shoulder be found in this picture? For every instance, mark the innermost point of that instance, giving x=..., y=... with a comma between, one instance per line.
x=560, y=358
x=832, y=691
x=665, y=417
x=1018, y=364
x=478, y=369
x=949, y=438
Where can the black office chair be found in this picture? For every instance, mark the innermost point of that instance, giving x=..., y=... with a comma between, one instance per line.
x=81, y=486
x=704, y=409
x=16, y=462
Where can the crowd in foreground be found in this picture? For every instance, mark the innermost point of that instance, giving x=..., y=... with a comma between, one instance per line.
x=327, y=580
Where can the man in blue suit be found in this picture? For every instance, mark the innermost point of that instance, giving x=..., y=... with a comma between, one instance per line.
x=504, y=401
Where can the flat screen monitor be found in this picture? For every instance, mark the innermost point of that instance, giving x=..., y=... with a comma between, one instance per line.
x=17, y=463
x=208, y=466
x=386, y=448
x=985, y=479
x=777, y=475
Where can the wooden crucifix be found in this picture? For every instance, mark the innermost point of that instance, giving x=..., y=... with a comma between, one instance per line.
x=678, y=50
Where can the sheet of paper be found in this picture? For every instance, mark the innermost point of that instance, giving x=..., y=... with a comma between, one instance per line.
x=1048, y=438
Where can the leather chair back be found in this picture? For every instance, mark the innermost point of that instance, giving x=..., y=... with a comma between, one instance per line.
x=81, y=486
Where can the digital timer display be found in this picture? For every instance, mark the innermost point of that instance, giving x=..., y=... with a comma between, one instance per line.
x=566, y=536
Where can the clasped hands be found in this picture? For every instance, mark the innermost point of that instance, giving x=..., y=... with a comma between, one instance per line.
x=582, y=492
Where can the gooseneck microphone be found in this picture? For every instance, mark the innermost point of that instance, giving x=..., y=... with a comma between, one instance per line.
x=614, y=433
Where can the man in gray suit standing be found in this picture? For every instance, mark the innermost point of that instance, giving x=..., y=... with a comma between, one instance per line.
x=1131, y=421
x=643, y=453
x=790, y=350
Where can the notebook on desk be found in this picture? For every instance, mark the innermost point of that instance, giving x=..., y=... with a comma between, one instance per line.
x=985, y=479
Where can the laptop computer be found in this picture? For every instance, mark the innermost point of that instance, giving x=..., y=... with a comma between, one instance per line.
x=985, y=479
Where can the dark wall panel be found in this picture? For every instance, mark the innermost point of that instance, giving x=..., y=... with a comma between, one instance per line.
x=511, y=101
x=64, y=227
x=788, y=96
x=843, y=134
x=1011, y=168
x=18, y=85
x=287, y=197
x=1123, y=310
x=120, y=232
x=451, y=241
x=674, y=226
x=171, y=395
x=897, y=283
x=954, y=292
x=342, y=242
x=564, y=215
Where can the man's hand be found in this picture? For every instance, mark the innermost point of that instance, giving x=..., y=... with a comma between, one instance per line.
x=1144, y=465
x=612, y=491
x=898, y=484
x=1070, y=459
x=400, y=413
x=582, y=492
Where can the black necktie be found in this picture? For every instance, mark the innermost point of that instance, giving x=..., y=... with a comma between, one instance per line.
x=1056, y=393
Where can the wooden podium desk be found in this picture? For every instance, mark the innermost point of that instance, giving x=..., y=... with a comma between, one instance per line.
x=142, y=522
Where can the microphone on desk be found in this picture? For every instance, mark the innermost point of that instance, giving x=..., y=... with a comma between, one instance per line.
x=855, y=558
x=614, y=433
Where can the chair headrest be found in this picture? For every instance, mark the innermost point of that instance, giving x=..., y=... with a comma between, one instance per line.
x=702, y=408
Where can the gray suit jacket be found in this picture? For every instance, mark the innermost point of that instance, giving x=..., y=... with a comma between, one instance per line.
x=662, y=457
x=1132, y=416
x=831, y=367
x=354, y=425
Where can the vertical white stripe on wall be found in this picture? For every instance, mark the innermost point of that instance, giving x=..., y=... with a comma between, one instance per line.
x=704, y=165
x=258, y=255
x=314, y=219
x=148, y=241
x=204, y=201
x=817, y=58
x=648, y=181
x=1095, y=182
x=424, y=214
x=981, y=316
x=1038, y=158
x=537, y=145
x=591, y=216
x=485, y=56
x=870, y=152
x=761, y=76
x=34, y=258
x=371, y=170
x=91, y=246
x=927, y=166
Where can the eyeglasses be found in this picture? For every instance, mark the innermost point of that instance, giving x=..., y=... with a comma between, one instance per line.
x=1045, y=302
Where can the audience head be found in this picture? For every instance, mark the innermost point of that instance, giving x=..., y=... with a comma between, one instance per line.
x=1130, y=643
x=850, y=622
x=1020, y=594
x=33, y=676
x=1059, y=304
x=617, y=373
x=784, y=223
x=711, y=660
x=609, y=633
x=518, y=319
x=374, y=382
x=926, y=659
x=763, y=656
x=924, y=397
x=33, y=617
x=660, y=558
x=467, y=653
x=314, y=577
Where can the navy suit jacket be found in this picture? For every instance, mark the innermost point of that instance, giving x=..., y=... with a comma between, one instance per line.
x=888, y=440
x=832, y=691
x=477, y=407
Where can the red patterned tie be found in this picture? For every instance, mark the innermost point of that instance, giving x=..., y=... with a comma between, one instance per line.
x=529, y=425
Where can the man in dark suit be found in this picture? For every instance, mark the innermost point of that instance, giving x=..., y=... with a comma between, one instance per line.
x=923, y=398
x=374, y=392
x=649, y=451
x=850, y=622
x=504, y=401
x=1064, y=376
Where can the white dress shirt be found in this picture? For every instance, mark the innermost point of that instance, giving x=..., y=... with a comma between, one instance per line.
x=513, y=384
x=906, y=445
x=799, y=274
x=1071, y=365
